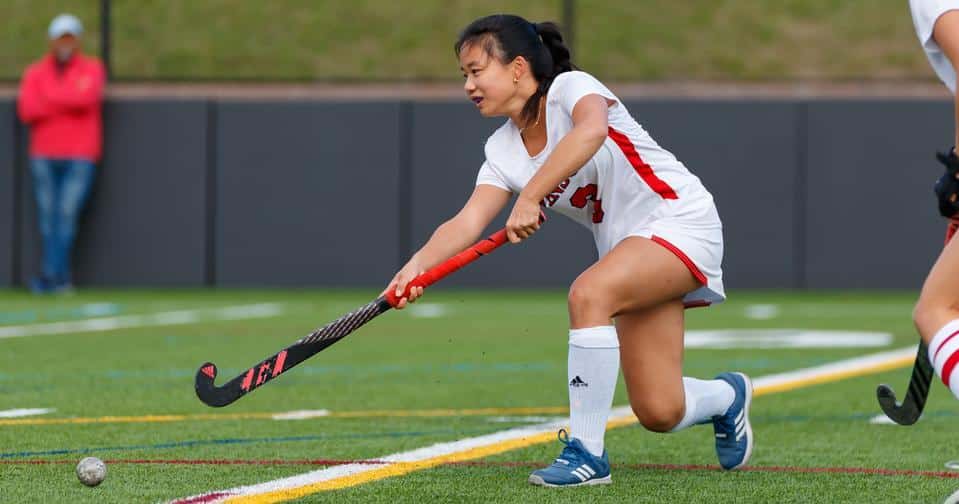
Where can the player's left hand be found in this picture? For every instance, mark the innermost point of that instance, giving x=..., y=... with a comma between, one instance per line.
x=524, y=220
x=947, y=187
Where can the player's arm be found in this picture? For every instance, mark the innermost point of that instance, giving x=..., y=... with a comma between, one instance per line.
x=946, y=33
x=452, y=236
x=590, y=128
x=81, y=94
x=31, y=104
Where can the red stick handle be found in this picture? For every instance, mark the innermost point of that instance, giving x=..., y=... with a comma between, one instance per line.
x=450, y=265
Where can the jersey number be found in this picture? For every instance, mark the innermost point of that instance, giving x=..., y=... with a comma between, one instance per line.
x=584, y=195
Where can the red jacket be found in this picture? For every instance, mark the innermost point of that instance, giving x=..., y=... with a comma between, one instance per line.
x=62, y=108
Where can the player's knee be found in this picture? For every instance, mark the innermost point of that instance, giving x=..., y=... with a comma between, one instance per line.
x=587, y=299
x=930, y=315
x=659, y=417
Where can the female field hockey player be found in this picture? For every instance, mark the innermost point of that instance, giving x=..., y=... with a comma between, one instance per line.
x=937, y=312
x=570, y=145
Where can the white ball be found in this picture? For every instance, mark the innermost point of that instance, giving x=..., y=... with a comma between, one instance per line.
x=91, y=471
x=952, y=499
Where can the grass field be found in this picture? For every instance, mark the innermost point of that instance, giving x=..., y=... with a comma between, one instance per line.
x=460, y=365
x=383, y=40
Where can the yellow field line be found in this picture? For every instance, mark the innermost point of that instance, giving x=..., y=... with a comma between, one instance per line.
x=546, y=410
x=400, y=468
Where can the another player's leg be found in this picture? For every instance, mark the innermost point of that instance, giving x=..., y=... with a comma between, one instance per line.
x=937, y=316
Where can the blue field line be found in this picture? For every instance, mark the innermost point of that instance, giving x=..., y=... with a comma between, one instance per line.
x=234, y=441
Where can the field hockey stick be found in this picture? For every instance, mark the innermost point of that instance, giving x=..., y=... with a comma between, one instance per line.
x=325, y=336
x=911, y=408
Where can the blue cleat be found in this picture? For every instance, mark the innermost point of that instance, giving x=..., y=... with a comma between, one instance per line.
x=734, y=435
x=576, y=466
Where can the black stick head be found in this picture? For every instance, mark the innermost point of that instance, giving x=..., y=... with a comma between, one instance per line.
x=902, y=414
x=205, y=390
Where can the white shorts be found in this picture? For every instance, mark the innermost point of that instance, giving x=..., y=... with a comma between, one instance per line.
x=696, y=238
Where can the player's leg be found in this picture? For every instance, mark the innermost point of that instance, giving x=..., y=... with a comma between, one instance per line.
x=663, y=400
x=635, y=275
x=642, y=284
x=937, y=315
x=77, y=181
x=44, y=190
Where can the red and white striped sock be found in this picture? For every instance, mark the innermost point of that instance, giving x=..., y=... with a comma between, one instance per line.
x=944, y=355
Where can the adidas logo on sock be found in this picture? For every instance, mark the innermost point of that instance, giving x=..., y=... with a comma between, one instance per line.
x=578, y=382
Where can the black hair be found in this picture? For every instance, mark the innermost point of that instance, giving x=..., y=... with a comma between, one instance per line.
x=505, y=36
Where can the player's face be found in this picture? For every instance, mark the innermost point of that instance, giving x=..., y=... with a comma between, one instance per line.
x=64, y=47
x=489, y=83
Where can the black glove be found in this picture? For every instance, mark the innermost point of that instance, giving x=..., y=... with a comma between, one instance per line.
x=947, y=187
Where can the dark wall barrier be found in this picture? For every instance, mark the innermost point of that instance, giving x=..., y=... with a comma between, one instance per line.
x=144, y=223
x=870, y=212
x=307, y=193
x=8, y=151
x=747, y=154
x=816, y=194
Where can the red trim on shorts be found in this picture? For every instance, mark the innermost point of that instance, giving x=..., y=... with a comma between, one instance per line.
x=684, y=258
x=644, y=170
x=696, y=304
x=936, y=353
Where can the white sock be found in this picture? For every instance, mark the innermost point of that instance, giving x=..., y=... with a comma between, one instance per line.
x=944, y=355
x=704, y=400
x=592, y=372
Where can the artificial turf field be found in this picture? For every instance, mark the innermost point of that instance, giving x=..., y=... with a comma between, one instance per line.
x=460, y=364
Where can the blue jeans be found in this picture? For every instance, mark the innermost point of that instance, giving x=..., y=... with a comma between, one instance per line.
x=61, y=187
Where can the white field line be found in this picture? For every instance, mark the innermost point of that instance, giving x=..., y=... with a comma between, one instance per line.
x=882, y=419
x=301, y=414
x=354, y=474
x=178, y=317
x=23, y=412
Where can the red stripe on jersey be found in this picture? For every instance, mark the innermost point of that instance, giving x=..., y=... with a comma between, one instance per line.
x=936, y=353
x=684, y=258
x=948, y=367
x=644, y=170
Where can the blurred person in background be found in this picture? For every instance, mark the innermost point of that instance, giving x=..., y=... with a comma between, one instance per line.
x=60, y=101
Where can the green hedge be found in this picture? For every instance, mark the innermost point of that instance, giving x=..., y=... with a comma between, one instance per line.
x=412, y=39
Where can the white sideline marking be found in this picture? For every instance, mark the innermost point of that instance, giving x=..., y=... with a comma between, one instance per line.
x=840, y=368
x=761, y=311
x=785, y=338
x=427, y=310
x=301, y=414
x=416, y=455
x=22, y=412
x=355, y=474
x=881, y=419
x=178, y=317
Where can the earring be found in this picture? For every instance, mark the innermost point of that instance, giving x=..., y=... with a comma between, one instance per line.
x=515, y=80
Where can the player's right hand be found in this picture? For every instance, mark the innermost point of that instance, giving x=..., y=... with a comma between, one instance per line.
x=403, y=277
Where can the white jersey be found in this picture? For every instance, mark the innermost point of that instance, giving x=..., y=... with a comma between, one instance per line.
x=924, y=16
x=630, y=187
